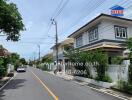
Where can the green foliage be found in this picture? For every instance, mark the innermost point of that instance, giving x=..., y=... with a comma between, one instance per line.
x=106, y=78
x=17, y=64
x=23, y=61
x=130, y=73
x=2, y=68
x=43, y=67
x=14, y=59
x=129, y=46
x=10, y=20
x=68, y=47
x=125, y=86
x=129, y=43
x=31, y=63
x=102, y=59
x=116, y=60
x=48, y=58
x=90, y=56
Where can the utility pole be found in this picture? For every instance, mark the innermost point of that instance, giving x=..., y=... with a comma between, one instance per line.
x=34, y=58
x=56, y=39
x=39, y=51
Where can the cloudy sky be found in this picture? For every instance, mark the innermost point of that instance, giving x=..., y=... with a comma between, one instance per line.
x=69, y=14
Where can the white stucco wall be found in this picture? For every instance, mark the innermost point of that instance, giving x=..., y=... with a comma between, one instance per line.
x=107, y=29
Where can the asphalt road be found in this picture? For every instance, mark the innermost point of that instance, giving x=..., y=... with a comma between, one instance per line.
x=38, y=85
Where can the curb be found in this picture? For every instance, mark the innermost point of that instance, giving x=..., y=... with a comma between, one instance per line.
x=8, y=81
x=99, y=90
x=104, y=91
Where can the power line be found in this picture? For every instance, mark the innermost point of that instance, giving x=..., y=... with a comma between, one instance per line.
x=75, y=23
x=61, y=9
x=57, y=9
x=55, y=14
x=91, y=9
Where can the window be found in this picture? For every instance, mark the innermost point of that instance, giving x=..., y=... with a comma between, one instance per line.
x=79, y=41
x=93, y=34
x=120, y=32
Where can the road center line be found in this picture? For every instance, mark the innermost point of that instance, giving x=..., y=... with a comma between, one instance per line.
x=49, y=91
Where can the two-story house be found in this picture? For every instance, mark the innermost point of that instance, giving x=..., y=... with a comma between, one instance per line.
x=62, y=47
x=106, y=32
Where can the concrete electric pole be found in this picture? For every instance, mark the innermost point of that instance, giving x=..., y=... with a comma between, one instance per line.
x=56, y=39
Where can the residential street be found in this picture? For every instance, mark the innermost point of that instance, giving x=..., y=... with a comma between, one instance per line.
x=27, y=86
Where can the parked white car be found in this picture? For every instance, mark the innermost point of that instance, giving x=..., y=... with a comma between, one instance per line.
x=21, y=69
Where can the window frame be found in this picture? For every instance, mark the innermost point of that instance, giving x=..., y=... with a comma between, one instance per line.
x=122, y=29
x=80, y=44
x=97, y=35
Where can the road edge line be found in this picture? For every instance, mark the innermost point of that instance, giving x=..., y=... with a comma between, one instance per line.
x=114, y=95
x=46, y=87
x=8, y=82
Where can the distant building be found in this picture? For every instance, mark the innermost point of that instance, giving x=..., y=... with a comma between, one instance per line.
x=62, y=47
x=106, y=32
x=4, y=52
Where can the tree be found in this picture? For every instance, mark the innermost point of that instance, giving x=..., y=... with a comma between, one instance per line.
x=14, y=59
x=10, y=20
x=23, y=61
x=129, y=46
x=96, y=59
x=102, y=59
x=80, y=58
x=2, y=68
x=47, y=58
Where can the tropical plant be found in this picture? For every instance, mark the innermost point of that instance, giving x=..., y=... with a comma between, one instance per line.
x=47, y=58
x=125, y=86
x=116, y=60
x=10, y=20
x=14, y=59
x=102, y=59
x=130, y=73
x=129, y=46
x=23, y=61
x=2, y=68
x=86, y=57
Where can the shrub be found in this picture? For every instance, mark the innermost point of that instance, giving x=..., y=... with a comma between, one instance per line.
x=130, y=72
x=2, y=68
x=116, y=60
x=125, y=86
x=2, y=71
x=106, y=78
x=102, y=59
x=43, y=67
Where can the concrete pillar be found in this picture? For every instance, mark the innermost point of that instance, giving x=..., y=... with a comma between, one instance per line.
x=64, y=69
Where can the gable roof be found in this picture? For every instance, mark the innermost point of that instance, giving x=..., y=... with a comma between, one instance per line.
x=117, y=7
x=98, y=17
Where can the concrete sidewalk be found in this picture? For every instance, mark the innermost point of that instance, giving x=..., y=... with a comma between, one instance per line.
x=62, y=75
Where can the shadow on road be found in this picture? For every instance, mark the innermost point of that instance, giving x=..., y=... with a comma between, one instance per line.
x=14, y=84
